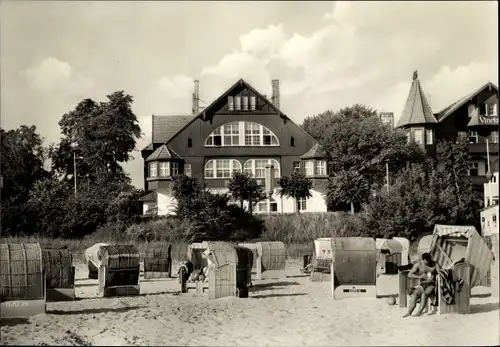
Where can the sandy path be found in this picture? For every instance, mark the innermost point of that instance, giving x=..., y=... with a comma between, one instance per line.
x=289, y=312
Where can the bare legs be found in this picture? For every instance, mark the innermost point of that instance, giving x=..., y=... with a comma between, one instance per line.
x=424, y=298
x=413, y=301
x=423, y=304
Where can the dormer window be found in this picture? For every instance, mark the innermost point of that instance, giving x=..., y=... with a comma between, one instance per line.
x=245, y=103
x=237, y=103
x=488, y=109
x=252, y=103
x=492, y=110
x=230, y=103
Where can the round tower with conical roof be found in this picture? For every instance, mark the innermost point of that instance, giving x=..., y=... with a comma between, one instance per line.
x=417, y=117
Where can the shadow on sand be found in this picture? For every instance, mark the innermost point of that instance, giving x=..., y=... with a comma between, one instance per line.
x=263, y=286
x=263, y=296
x=96, y=310
x=172, y=292
x=298, y=276
x=481, y=295
x=489, y=307
x=86, y=285
x=10, y=322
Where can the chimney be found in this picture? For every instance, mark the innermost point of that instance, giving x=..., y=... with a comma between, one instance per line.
x=196, y=98
x=387, y=118
x=275, y=99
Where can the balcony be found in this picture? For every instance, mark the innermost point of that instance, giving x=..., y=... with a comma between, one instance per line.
x=480, y=148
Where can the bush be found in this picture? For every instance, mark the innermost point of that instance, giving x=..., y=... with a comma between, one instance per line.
x=289, y=228
x=307, y=227
x=170, y=229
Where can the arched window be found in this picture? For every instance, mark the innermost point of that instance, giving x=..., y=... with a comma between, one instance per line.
x=241, y=134
x=257, y=167
x=221, y=168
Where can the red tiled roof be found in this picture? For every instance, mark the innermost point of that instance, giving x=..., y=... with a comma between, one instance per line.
x=315, y=152
x=163, y=153
x=149, y=197
x=165, y=127
x=417, y=109
x=460, y=102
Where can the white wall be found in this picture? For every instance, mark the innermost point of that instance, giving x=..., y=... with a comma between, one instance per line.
x=491, y=187
x=489, y=221
x=316, y=203
x=166, y=203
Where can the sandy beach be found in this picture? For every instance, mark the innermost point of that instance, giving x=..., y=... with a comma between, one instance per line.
x=291, y=312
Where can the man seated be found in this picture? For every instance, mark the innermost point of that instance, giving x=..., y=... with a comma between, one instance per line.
x=426, y=271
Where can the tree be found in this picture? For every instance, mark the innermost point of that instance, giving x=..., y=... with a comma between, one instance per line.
x=296, y=186
x=22, y=166
x=243, y=187
x=125, y=206
x=186, y=190
x=346, y=187
x=424, y=195
x=209, y=216
x=105, y=133
x=457, y=201
x=22, y=161
x=404, y=211
x=355, y=139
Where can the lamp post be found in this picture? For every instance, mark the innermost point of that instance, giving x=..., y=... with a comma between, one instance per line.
x=74, y=146
x=387, y=178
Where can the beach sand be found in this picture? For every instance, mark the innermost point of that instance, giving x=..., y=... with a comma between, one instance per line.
x=283, y=312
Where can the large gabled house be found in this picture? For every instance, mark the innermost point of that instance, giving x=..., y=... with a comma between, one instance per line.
x=480, y=106
x=241, y=131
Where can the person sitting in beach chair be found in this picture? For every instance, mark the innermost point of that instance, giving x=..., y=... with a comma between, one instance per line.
x=426, y=271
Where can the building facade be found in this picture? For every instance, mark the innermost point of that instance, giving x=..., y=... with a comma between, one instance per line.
x=241, y=131
x=480, y=107
x=490, y=214
x=244, y=131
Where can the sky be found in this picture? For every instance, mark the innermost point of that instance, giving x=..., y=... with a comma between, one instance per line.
x=327, y=55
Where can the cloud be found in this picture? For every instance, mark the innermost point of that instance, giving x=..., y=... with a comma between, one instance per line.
x=51, y=75
x=177, y=87
x=469, y=77
x=357, y=52
x=263, y=41
x=366, y=52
